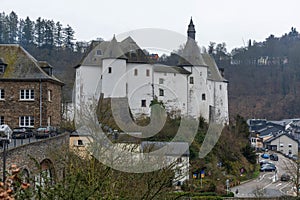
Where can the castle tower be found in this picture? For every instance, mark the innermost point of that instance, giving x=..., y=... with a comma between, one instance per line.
x=114, y=71
x=191, y=60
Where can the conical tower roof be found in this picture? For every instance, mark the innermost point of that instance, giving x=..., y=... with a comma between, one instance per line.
x=114, y=50
x=191, y=55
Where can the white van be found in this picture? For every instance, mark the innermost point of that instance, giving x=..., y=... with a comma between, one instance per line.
x=5, y=131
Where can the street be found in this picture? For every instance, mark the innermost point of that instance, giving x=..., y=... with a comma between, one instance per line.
x=268, y=184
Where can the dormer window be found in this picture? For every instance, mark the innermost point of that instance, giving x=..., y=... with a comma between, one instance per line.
x=98, y=52
x=2, y=66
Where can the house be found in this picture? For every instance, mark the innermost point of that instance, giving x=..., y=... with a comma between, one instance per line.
x=120, y=69
x=283, y=143
x=177, y=154
x=30, y=95
x=262, y=130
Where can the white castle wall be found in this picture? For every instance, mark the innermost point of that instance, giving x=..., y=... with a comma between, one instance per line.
x=114, y=83
x=175, y=91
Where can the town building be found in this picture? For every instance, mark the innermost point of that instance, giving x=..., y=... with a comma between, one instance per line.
x=30, y=96
x=195, y=87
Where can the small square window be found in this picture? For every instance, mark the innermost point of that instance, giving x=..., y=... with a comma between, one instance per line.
x=161, y=92
x=161, y=81
x=1, y=120
x=2, y=94
x=143, y=103
x=79, y=142
x=98, y=52
x=109, y=70
x=203, y=97
x=191, y=80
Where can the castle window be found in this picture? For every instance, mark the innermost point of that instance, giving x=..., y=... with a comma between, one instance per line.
x=98, y=52
x=165, y=74
x=191, y=80
x=79, y=142
x=135, y=72
x=161, y=92
x=2, y=94
x=161, y=81
x=1, y=120
x=147, y=72
x=26, y=121
x=109, y=70
x=220, y=87
x=26, y=94
x=290, y=145
x=143, y=103
x=200, y=73
x=203, y=97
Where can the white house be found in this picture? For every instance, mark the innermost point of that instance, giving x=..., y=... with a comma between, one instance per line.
x=115, y=69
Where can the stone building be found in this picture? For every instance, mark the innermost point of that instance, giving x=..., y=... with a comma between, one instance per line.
x=115, y=69
x=30, y=96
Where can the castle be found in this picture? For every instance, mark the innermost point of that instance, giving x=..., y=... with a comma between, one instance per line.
x=195, y=87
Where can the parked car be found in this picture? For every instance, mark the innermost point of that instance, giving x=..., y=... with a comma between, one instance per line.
x=22, y=132
x=5, y=132
x=285, y=177
x=295, y=157
x=262, y=162
x=44, y=132
x=274, y=157
x=265, y=156
x=268, y=168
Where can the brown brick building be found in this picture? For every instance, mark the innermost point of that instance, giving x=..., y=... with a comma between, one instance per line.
x=30, y=96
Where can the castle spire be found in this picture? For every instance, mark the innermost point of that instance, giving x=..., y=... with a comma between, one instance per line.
x=191, y=30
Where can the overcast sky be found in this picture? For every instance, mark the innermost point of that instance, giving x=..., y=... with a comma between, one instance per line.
x=232, y=21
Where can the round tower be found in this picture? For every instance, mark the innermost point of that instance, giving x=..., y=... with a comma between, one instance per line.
x=114, y=71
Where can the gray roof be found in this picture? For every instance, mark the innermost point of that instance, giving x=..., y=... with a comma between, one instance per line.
x=131, y=51
x=22, y=66
x=169, y=69
x=191, y=55
x=114, y=50
x=173, y=148
x=214, y=74
x=280, y=135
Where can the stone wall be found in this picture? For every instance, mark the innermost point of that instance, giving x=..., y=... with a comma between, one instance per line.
x=30, y=156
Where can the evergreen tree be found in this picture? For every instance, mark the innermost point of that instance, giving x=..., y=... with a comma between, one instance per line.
x=27, y=32
x=58, y=35
x=39, y=32
x=49, y=31
x=69, y=37
x=13, y=27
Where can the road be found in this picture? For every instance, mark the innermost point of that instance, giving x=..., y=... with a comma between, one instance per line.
x=268, y=184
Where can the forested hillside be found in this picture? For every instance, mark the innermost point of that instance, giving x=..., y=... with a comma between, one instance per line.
x=47, y=41
x=264, y=77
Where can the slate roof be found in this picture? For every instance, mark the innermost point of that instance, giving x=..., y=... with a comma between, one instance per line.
x=131, y=51
x=280, y=135
x=214, y=73
x=191, y=55
x=169, y=69
x=22, y=66
x=173, y=149
x=114, y=50
x=271, y=130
